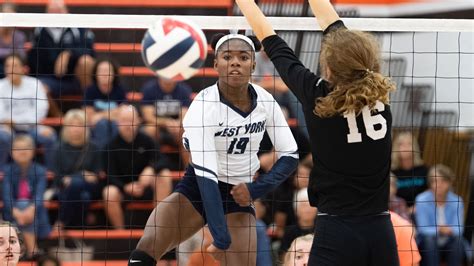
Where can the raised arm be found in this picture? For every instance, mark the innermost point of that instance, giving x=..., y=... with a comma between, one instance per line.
x=324, y=12
x=257, y=20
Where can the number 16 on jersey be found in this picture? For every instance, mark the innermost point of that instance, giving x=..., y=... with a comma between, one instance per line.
x=370, y=121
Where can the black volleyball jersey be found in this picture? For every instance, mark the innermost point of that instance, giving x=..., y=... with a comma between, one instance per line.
x=351, y=154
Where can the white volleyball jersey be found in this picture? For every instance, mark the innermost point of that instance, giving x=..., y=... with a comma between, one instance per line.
x=224, y=141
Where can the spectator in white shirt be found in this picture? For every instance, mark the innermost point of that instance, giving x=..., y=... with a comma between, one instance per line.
x=23, y=105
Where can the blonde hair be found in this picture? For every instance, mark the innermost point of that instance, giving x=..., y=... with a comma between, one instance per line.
x=290, y=253
x=442, y=171
x=67, y=121
x=417, y=161
x=353, y=59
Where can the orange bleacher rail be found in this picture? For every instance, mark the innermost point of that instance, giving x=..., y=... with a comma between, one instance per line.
x=100, y=263
x=137, y=3
x=113, y=47
x=144, y=71
x=136, y=96
x=98, y=234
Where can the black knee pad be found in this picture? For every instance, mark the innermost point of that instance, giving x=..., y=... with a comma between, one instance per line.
x=141, y=258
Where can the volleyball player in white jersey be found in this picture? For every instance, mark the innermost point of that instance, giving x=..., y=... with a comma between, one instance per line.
x=223, y=129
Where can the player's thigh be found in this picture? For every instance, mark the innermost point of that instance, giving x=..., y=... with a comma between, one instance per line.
x=171, y=222
x=337, y=243
x=243, y=250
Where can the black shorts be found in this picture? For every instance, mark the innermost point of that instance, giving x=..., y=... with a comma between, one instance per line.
x=188, y=186
x=354, y=240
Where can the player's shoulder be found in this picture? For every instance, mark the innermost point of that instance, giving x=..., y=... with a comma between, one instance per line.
x=262, y=94
x=208, y=94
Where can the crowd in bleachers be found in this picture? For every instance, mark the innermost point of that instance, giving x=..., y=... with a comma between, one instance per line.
x=109, y=150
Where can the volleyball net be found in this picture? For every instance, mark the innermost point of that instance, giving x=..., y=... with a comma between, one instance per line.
x=430, y=60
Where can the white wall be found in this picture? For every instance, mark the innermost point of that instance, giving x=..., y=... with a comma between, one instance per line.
x=447, y=56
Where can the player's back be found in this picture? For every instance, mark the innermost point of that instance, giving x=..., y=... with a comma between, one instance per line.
x=352, y=161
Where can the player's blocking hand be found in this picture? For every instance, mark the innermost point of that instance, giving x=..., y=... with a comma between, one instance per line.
x=241, y=195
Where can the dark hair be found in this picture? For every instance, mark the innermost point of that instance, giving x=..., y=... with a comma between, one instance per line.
x=18, y=233
x=43, y=259
x=218, y=36
x=115, y=68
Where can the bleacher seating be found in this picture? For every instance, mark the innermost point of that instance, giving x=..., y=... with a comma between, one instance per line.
x=124, y=45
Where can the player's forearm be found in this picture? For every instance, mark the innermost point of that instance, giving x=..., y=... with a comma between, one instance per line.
x=212, y=202
x=324, y=12
x=257, y=20
x=281, y=170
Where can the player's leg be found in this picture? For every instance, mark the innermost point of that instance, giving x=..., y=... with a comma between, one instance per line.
x=83, y=70
x=243, y=250
x=173, y=220
x=112, y=197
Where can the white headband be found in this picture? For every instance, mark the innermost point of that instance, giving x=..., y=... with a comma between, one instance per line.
x=234, y=36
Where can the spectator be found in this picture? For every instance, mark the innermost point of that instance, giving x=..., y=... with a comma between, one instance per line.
x=77, y=167
x=48, y=261
x=101, y=101
x=439, y=217
x=23, y=188
x=283, y=198
x=264, y=249
x=266, y=76
x=305, y=215
x=23, y=105
x=409, y=168
x=131, y=165
x=406, y=245
x=397, y=204
x=12, y=40
x=164, y=104
x=62, y=58
x=298, y=253
x=11, y=244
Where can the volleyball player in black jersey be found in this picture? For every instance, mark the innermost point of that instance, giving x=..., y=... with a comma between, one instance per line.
x=349, y=123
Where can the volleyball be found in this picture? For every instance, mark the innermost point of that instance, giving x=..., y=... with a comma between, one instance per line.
x=174, y=48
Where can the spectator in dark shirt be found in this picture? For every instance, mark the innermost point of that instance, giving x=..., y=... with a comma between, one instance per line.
x=409, y=168
x=77, y=166
x=282, y=200
x=163, y=106
x=23, y=188
x=62, y=58
x=101, y=101
x=131, y=158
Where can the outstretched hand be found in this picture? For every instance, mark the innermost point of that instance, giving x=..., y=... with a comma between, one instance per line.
x=241, y=195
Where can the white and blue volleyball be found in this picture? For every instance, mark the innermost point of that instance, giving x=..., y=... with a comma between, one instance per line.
x=174, y=48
